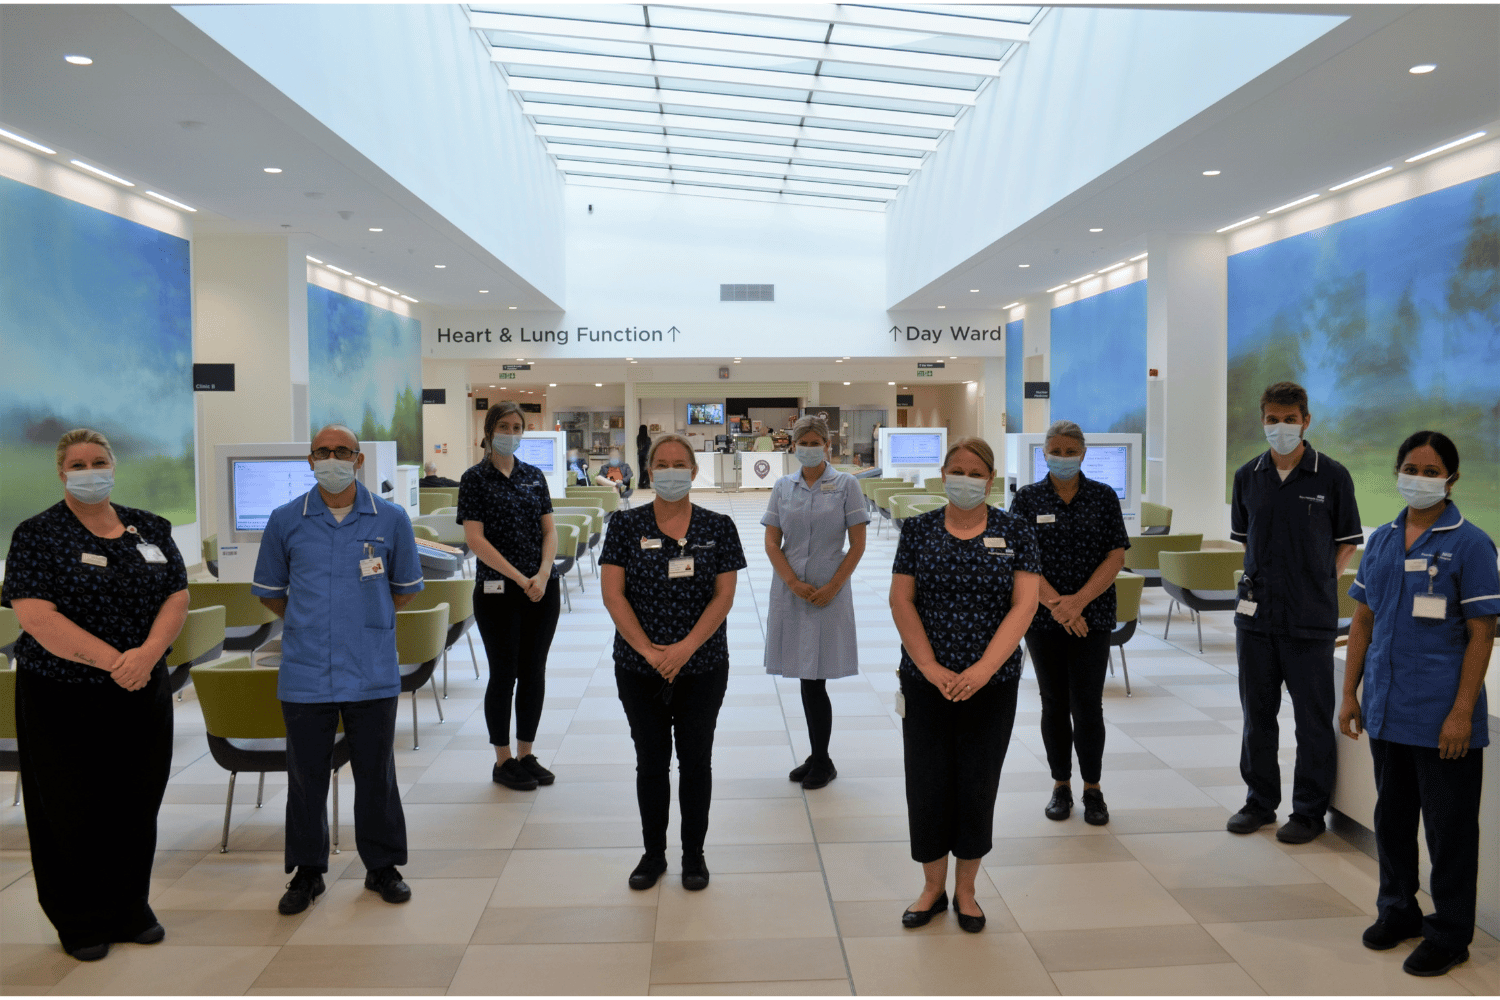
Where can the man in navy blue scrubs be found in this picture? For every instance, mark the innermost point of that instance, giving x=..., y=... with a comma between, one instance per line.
x=337, y=564
x=1295, y=511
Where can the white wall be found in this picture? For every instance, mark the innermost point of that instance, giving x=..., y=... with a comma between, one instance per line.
x=1093, y=87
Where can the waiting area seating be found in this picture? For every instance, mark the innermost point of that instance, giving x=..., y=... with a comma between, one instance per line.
x=1142, y=558
x=1200, y=581
x=435, y=498
x=1128, y=589
x=421, y=641
x=201, y=640
x=1155, y=519
x=608, y=499
x=248, y=624
x=458, y=595
x=10, y=754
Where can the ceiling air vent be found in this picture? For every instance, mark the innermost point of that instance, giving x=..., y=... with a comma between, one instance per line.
x=747, y=293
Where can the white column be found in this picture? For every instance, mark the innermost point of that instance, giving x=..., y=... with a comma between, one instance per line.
x=632, y=420
x=1187, y=342
x=447, y=424
x=992, y=403
x=1037, y=363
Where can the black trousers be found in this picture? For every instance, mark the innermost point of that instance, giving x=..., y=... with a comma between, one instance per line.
x=690, y=713
x=1415, y=780
x=954, y=751
x=379, y=823
x=517, y=635
x=94, y=765
x=1070, y=677
x=1305, y=666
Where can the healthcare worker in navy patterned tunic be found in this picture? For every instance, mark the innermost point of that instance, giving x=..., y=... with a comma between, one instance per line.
x=1421, y=641
x=963, y=592
x=668, y=581
x=810, y=632
x=100, y=593
x=337, y=564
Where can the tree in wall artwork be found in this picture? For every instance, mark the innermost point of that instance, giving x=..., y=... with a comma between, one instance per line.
x=1099, y=361
x=1391, y=320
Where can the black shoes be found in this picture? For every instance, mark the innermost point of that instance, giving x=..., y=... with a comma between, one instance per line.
x=1061, y=805
x=972, y=924
x=1298, y=830
x=1095, y=812
x=921, y=918
x=651, y=868
x=388, y=882
x=1249, y=819
x=534, y=767
x=304, y=887
x=1429, y=959
x=1381, y=936
x=694, y=873
x=151, y=935
x=90, y=952
x=800, y=771
x=820, y=774
x=512, y=775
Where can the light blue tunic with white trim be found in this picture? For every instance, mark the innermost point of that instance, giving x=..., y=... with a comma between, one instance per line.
x=804, y=641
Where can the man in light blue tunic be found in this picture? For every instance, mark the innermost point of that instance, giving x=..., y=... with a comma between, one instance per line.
x=810, y=628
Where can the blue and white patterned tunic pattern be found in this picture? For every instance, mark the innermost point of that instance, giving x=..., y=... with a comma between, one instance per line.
x=1074, y=538
x=964, y=585
x=804, y=641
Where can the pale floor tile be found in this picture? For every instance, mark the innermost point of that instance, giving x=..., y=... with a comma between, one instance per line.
x=462, y=826
x=239, y=880
x=572, y=877
x=986, y=963
x=790, y=988
x=1346, y=873
x=778, y=905
x=754, y=960
x=1180, y=980
x=1481, y=973
x=882, y=917
x=565, y=925
x=21, y=918
x=1160, y=788
x=1213, y=860
x=441, y=911
x=1126, y=948
x=133, y=969
x=362, y=967
x=1078, y=896
x=614, y=969
x=35, y=966
x=1264, y=902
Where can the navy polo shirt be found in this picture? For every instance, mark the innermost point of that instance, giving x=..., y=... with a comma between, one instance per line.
x=511, y=509
x=1292, y=530
x=1075, y=537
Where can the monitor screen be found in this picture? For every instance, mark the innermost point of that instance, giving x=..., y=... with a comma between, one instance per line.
x=260, y=485
x=916, y=449
x=1108, y=464
x=539, y=452
x=705, y=413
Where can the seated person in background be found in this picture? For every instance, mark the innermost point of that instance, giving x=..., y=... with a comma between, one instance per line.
x=432, y=479
x=617, y=474
x=578, y=466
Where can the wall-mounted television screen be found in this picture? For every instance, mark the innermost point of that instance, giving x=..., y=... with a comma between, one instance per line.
x=540, y=452
x=705, y=413
x=1108, y=464
x=916, y=449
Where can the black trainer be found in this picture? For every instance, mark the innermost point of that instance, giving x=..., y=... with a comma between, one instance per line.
x=388, y=882
x=694, y=873
x=1299, y=830
x=1095, y=812
x=1061, y=804
x=1381, y=936
x=91, y=952
x=1249, y=819
x=651, y=868
x=800, y=771
x=534, y=767
x=821, y=774
x=151, y=935
x=1430, y=959
x=512, y=775
x=305, y=886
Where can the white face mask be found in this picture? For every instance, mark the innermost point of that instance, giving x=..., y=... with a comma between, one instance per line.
x=333, y=474
x=1284, y=438
x=1421, y=492
x=90, y=485
x=672, y=484
x=810, y=455
x=505, y=444
x=965, y=492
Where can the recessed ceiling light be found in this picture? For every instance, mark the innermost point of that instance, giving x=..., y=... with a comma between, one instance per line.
x=846, y=383
x=1023, y=265
x=973, y=290
x=1086, y=277
x=340, y=270
x=1106, y=270
x=1361, y=177
x=1236, y=225
x=1212, y=173
x=1445, y=147
x=1292, y=204
x=492, y=387
x=1058, y=288
x=101, y=173
x=520, y=359
x=391, y=290
x=312, y=258
x=838, y=361
x=598, y=385
x=28, y=143
x=440, y=266
x=409, y=298
x=953, y=357
x=172, y=201
x=890, y=383
x=942, y=307
x=510, y=307
x=736, y=360
x=552, y=385
x=1011, y=306
x=78, y=60
x=484, y=291
x=376, y=229
x=1139, y=256
x=271, y=170
x=366, y=281
x=1422, y=69
x=634, y=362
x=1096, y=230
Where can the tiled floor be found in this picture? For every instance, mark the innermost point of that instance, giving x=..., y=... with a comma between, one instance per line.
x=521, y=893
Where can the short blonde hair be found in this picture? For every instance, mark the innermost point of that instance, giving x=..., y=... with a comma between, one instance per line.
x=817, y=425
x=978, y=447
x=671, y=439
x=82, y=435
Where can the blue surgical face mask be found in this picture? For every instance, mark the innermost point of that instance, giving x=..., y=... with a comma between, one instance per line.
x=810, y=455
x=965, y=492
x=1421, y=492
x=1284, y=438
x=90, y=485
x=333, y=474
x=505, y=444
x=672, y=484
x=614, y=460
x=1063, y=466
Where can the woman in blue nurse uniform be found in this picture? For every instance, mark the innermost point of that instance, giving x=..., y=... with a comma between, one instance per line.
x=1429, y=593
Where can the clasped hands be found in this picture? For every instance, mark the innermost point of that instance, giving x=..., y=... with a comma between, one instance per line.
x=535, y=586
x=1067, y=611
x=669, y=660
x=958, y=686
x=818, y=597
x=131, y=669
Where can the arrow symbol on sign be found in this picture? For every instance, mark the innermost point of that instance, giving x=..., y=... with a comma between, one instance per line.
x=674, y=331
x=895, y=332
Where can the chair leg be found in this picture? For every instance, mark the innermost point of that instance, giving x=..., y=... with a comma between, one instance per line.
x=1125, y=669
x=260, y=791
x=415, y=744
x=1198, y=620
x=228, y=806
x=336, y=811
x=1167, y=631
x=579, y=566
x=1111, y=654
x=17, y=800
x=436, y=702
x=472, y=654
x=445, y=673
x=566, y=595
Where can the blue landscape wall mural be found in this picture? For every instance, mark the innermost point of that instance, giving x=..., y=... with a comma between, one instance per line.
x=96, y=321
x=1391, y=320
x=365, y=370
x=1015, y=346
x=1099, y=361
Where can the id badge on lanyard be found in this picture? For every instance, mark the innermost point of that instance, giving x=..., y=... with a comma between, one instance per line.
x=680, y=567
x=1430, y=605
x=371, y=564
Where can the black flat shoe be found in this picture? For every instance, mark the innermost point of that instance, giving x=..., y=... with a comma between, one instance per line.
x=512, y=775
x=90, y=952
x=534, y=767
x=821, y=774
x=1095, y=812
x=1381, y=936
x=1061, y=805
x=921, y=918
x=1428, y=959
x=305, y=886
x=1298, y=830
x=800, y=771
x=651, y=868
x=694, y=873
x=971, y=924
x=151, y=935
x=388, y=882
x=1249, y=819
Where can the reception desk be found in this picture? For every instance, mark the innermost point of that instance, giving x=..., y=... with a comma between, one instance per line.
x=759, y=470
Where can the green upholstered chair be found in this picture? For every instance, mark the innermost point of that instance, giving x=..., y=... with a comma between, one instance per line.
x=901, y=505
x=421, y=639
x=583, y=522
x=210, y=549
x=881, y=496
x=434, y=498
x=444, y=523
x=1142, y=556
x=1128, y=589
x=934, y=485
x=246, y=731
x=604, y=496
x=459, y=596
x=10, y=756
x=10, y=630
x=1199, y=581
x=425, y=532
x=867, y=486
x=248, y=624
x=1155, y=519
x=201, y=640
x=573, y=505
x=923, y=506
x=569, y=542
x=1347, y=604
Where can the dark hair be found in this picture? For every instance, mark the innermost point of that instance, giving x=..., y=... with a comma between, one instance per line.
x=1284, y=394
x=1439, y=443
x=502, y=409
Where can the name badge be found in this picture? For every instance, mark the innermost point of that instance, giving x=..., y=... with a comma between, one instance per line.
x=151, y=553
x=1246, y=608
x=680, y=567
x=650, y=543
x=1046, y=518
x=994, y=543
x=901, y=704
x=494, y=586
x=1429, y=606
x=830, y=487
x=88, y=558
x=374, y=566
x=1416, y=565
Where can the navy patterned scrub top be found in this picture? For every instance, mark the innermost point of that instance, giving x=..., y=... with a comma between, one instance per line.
x=1074, y=537
x=117, y=602
x=511, y=509
x=668, y=609
x=964, y=586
